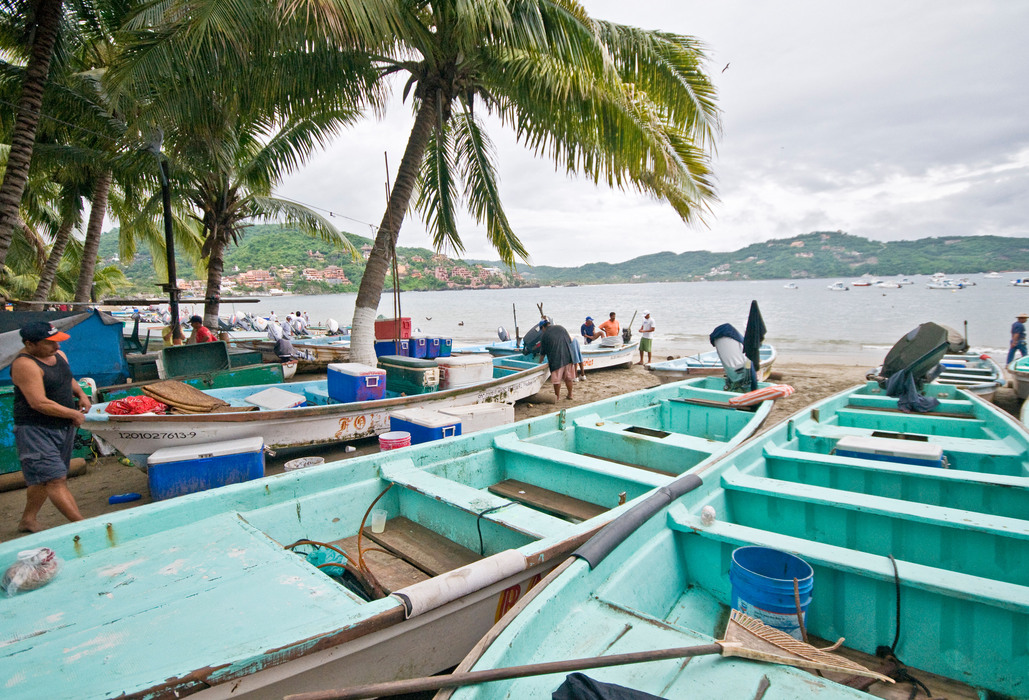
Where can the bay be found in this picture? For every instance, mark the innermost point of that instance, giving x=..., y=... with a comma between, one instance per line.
x=854, y=327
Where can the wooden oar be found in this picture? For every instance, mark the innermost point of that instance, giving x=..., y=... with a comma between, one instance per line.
x=745, y=637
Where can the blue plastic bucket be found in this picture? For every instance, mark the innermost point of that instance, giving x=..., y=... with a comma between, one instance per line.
x=762, y=586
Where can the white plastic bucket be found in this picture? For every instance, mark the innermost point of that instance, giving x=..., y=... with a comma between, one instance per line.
x=394, y=440
x=302, y=462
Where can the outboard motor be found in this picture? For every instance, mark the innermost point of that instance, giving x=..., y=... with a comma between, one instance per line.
x=728, y=344
x=502, y=334
x=531, y=341
x=333, y=326
x=913, y=362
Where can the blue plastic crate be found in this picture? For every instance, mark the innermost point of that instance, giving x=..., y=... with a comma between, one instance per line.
x=176, y=471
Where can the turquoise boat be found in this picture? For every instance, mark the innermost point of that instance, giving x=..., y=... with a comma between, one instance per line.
x=835, y=486
x=207, y=593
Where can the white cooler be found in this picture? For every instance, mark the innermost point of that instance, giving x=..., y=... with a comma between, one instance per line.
x=922, y=454
x=481, y=415
x=461, y=370
x=274, y=399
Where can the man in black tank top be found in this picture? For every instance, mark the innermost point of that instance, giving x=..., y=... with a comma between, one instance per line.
x=45, y=420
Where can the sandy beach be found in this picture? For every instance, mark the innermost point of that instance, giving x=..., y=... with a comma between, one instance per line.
x=811, y=380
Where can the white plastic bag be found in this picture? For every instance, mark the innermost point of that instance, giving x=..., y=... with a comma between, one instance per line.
x=34, y=569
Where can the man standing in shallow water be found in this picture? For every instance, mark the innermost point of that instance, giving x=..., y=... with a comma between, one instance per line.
x=45, y=420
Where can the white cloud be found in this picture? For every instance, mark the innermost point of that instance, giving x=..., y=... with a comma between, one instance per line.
x=887, y=120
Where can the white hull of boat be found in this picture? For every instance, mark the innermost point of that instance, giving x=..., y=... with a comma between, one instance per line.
x=141, y=435
x=706, y=364
x=974, y=373
x=596, y=357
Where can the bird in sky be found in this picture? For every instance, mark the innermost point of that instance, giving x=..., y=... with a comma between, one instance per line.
x=726, y=67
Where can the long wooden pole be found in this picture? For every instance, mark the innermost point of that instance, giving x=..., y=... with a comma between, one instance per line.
x=416, y=685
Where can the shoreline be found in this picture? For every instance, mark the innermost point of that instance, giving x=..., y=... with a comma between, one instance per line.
x=813, y=377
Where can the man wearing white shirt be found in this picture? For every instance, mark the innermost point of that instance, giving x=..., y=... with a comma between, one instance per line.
x=646, y=337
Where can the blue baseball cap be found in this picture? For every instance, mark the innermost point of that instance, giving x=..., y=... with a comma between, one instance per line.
x=589, y=318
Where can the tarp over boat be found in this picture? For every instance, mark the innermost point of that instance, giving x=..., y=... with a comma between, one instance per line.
x=95, y=348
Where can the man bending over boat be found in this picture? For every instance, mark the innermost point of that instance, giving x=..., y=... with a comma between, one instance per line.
x=555, y=344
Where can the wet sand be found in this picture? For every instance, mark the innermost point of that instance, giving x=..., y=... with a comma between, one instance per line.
x=812, y=380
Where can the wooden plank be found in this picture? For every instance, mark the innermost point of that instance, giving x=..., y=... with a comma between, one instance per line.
x=546, y=500
x=631, y=464
x=392, y=572
x=421, y=547
x=890, y=409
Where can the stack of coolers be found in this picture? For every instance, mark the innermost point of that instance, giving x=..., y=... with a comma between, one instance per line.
x=463, y=370
x=352, y=381
x=393, y=337
x=410, y=375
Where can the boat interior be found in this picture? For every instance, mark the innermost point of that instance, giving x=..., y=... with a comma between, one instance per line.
x=546, y=481
x=892, y=544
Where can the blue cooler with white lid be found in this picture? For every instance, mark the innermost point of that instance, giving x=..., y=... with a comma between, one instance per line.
x=922, y=454
x=176, y=471
x=419, y=347
x=352, y=381
x=393, y=347
x=424, y=425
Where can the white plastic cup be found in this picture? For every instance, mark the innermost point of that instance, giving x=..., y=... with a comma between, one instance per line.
x=378, y=520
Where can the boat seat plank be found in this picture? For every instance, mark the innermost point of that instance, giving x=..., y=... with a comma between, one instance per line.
x=392, y=572
x=546, y=500
x=993, y=448
x=951, y=584
x=691, y=442
x=653, y=470
x=941, y=516
x=713, y=404
x=946, y=475
x=420, y=546
x=587, y=462
x=894, y=409
x=962, y=405
x=478, y=502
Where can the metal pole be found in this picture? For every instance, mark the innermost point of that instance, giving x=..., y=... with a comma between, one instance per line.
x=169, y=248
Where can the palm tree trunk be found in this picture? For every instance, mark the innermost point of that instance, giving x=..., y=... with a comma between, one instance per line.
x=93, y=231
x=46, y=279
x=212, y=297
x=47, y=25
x=370, y=292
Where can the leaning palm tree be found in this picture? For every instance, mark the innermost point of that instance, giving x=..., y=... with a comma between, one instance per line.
x=611, y=102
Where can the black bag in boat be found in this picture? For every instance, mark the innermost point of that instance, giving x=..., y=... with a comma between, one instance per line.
x=580, y=687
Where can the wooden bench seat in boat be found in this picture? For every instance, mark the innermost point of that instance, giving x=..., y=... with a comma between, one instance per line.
x=421, y=547
x=624, y=472
x=1000, y=494
x=511, y=515
x=546, y=500
x=918, y=532
x=947, y=407
x=391, y=571
x=894, y=409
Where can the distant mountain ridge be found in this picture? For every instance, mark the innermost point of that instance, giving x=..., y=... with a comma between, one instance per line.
x=812, y=255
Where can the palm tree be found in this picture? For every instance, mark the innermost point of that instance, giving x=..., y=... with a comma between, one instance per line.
x=614, y=102
x=41, y=28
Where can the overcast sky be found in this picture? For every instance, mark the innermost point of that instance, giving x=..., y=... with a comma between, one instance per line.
x=888, y=120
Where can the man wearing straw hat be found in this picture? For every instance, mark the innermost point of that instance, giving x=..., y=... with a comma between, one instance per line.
x=1017, y=337
x=45, y=420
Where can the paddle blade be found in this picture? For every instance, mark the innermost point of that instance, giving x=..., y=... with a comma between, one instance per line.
x=748, y=638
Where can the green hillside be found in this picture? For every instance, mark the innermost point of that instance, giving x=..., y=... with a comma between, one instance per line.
x=811, y=255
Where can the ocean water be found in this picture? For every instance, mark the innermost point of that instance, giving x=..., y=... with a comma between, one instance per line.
x=857, y=326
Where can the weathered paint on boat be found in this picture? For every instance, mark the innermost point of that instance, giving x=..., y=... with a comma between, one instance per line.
x=960, y=538
x=197, y=594
x=140, y=435
x=252, y=375
x=706, y=363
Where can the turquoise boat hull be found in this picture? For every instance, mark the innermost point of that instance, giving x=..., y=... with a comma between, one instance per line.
x=959, y=537
x=203, y=593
